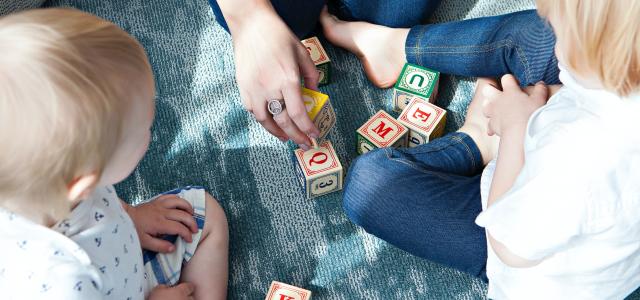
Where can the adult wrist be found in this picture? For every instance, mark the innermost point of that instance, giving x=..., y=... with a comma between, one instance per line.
x=237, y=13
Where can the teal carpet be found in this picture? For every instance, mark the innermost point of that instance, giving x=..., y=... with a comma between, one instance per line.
x=202, y=136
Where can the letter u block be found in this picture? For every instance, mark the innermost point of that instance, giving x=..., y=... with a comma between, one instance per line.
x=283, y=291
x=424, y=120
x=415, y=81
x=320, y=59
x=319, y=170
x=319, y=110
x=380, y=131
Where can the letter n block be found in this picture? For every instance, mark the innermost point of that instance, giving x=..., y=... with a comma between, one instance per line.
x=319, y=110
x=424, y=120
x=380, y=131
x=319, y=170
x=283, y=291
x=320, y=59
x=415, y=81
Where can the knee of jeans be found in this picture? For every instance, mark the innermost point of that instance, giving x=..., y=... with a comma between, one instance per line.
x=367, y=183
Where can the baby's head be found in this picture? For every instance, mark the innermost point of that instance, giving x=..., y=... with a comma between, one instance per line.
x=598, y=40
x=76, y=107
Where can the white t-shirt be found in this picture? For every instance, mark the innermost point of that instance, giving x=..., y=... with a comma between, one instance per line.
x=93, y=254
x=576, y=203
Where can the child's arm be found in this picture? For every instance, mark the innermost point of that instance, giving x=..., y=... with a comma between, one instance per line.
x=509, y=111
x=165, y=215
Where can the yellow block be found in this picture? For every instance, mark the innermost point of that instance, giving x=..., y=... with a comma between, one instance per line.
x=313, y=102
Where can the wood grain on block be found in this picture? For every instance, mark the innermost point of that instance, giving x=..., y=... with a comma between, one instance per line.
x=283, y=291
x=415, y=81
x=380, y=131
x=424, y=120
x=319, y=170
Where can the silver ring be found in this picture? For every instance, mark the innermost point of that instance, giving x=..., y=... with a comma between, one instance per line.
x=275, y=106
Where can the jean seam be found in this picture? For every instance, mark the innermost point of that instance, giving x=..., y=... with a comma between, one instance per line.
x=472, y=158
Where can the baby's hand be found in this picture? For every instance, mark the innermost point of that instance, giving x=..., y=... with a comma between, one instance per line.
x=179, y=292
x=511, y=107
x=167, y=214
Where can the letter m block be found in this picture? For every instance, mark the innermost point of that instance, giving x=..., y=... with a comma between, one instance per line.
x=380, y=131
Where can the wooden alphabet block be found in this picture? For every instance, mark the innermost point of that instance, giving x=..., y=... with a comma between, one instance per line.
x=319, y=170
x=320, y=58
x=424, y=120
x=283, y=291
x=319, y=110
x=415, y=81
x=380, y=131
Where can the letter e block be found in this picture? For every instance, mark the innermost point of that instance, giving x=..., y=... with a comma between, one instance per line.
x=319, y=58
x=319, y=170
x=415, y=81
x=424, y=120
x=283, y=291
x=319, y=110
x=380, y=131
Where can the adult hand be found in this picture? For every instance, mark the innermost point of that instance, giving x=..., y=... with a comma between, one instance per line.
x=270, y=60
x=182, y=291
x=511, y=107
x=167, y=214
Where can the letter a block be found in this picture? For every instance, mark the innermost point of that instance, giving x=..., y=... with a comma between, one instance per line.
x=319, y=110
x=319, y=170
x=415, y=81
x=320, y=58
x=283, y=291
x=424, y=120
x=380, y=131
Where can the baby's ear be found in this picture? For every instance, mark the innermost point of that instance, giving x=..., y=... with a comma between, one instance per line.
x=81, y=187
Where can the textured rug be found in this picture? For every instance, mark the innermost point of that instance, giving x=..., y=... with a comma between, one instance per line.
x=202, y=136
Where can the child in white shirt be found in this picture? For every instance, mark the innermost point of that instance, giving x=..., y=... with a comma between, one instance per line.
x=76, y=107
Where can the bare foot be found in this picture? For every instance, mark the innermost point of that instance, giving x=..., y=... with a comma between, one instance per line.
x=379, y=48
x=476, y=124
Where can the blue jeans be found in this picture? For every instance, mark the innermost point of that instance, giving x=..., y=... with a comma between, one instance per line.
x=423, y=200
x=519, y=43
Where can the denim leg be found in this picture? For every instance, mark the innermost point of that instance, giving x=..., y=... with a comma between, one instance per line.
x=300, y=16
x=395, y=13
x=519, y=43
x=423, y=200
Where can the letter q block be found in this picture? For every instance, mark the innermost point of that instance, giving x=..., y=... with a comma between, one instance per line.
x=319, y=170
x=424, y=120
x=415, y=81
x=382, y=130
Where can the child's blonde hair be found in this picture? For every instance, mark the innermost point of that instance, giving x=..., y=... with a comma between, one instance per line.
x=65, y=77
x=604, y=38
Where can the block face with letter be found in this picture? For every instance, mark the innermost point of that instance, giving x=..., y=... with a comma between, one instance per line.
x=320, y=58
x=283, y=291
x=380, y=131
x=415, y=81
x=319, y=170
x=424, y=120
x=319, y=110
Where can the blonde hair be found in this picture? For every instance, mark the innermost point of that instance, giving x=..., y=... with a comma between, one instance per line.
x=65, y=77
x=604, y=38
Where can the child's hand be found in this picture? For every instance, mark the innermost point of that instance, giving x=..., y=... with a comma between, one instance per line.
x=167, y=214
x=511, y=107
x=178, y=292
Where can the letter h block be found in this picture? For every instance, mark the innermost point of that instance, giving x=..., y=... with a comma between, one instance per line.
x=319, y=170
x=380, y=131
x=319, y=58
x=424, y=120
x=415, y=81
x=319, y=110
x=283, y=291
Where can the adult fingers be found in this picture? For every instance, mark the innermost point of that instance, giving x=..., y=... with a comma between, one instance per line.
x=307, y=68
x=265, y=118
x=296, y=109
x=509, y=82
x=174, y=201
x=183, y=217
x=155, y=244
x=284, y=121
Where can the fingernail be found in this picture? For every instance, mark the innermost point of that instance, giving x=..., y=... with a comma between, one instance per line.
x=304, y=147
x=540, y=82
x=172, y=248
x=314, y=135
x=283, y=139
